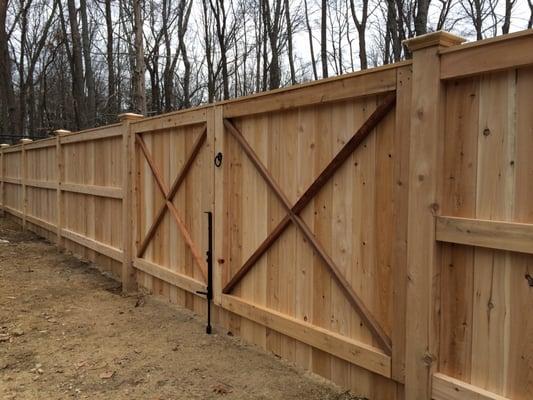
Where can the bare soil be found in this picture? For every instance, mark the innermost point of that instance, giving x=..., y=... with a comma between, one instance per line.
x=67, y=332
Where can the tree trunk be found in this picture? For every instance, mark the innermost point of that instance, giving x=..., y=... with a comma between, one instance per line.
x=323, y=39
x=76, y=66
x=310, y=36
x=507, y=16
x=139, y=90
x=112, y=100
x=89, y=74
x=9, y=116
x=421, y=18
x=289, y=42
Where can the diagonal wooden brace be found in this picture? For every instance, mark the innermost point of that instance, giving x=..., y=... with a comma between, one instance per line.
x=168, y=195
x=293, y=216
x=346, y=151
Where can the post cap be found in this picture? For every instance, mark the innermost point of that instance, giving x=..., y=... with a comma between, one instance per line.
x=129, y=117
x=25, y=140
x=58, y=132
x=439, y=38
x=4, y=145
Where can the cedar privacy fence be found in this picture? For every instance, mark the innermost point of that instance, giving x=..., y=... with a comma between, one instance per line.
x=375, y=228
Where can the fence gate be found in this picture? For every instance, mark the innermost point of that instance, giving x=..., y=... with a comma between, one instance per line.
x=306, y=222
x=173, y=185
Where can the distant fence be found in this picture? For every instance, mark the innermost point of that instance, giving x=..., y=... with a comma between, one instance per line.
x=375, y=228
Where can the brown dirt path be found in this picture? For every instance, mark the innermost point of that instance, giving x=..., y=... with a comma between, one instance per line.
x=66, y=332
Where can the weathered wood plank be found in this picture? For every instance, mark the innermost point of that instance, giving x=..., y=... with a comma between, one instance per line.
x=102, y=248
x=448, y=388
x=496, y=54
x=499, y=235
x=174, y=278
x=345, y=348
x=358, y=85
x=101, y=191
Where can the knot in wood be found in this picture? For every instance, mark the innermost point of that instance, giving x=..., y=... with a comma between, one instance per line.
x=429, y=358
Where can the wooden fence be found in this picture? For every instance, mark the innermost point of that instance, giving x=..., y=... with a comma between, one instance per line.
x=375, y=228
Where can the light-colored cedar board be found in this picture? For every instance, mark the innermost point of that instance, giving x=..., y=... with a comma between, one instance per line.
x=357, y=85
x=41, y=184
x=504, y=52
x=101, y=191
x=41, y=223
x=494, y=201
x=400, y=218
x=351, y=350
x=43, y=143
x=448, y=388
x=322, y=281
x=422, y=252
x=498, y=235
x=172, y=120
x=519, y=380
x=459, y=199
x=174, y=278
x=102, y=248
x=102, y=132
x=13, y=181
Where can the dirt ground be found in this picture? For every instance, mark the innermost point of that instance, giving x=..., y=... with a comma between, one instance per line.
x=67, y=332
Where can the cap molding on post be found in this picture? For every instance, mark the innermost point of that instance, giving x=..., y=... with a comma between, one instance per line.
x=129, y=117
x=439, y=38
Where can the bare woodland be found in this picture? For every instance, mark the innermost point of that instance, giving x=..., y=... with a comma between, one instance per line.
x=75, y=64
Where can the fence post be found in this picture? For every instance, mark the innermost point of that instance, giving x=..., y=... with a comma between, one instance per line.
x=425, y=159
x=59, y=194
x=24, y=177
x=3, y=174
x=128, y=187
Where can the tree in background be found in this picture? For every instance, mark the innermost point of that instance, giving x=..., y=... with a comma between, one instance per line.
x=76, y=64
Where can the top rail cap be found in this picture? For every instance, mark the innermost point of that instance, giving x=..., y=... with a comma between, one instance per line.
x=25, y=141
x=439, y=38
x=4, y=146
x=129, y=117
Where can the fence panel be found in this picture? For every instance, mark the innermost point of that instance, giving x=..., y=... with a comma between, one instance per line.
x=486, y=331
x=308, y=241
x=174, y=164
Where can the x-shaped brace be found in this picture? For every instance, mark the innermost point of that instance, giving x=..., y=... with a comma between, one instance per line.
x=168, y=196
x=293, y=215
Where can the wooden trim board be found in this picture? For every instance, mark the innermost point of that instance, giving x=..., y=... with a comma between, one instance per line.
x=499, y=235
x=104, y=132
x=507, y=52
x=41, y=223
x=353, y=351
x=99, y=247
x=370, y=83
x=448, y=388
x=101, y=191
x=174, y=278
x=41, y=184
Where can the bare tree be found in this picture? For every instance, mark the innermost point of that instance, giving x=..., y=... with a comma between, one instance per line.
x=324, y=39
x=509, y=4
x=310, y=36
x=76, y=66
x=139, y=91
x=421, y=18
x=87, y=59
x=10, y=117
x=360, y=24
x=530, y=23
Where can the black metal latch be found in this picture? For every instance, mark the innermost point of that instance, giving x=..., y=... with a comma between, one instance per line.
x=218, y=159
x=209, y=292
